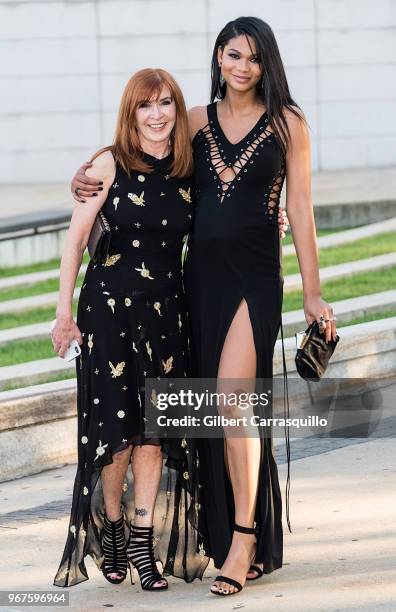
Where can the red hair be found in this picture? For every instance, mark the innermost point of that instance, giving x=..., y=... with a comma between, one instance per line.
x=144, y=86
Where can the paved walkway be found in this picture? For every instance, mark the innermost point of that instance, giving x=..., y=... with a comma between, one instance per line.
x=340, y=557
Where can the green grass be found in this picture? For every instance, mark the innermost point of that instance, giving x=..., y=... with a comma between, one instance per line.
x=28, y=317
x=352, y=251
x=21, y=351
x=37, y=267
x=364, y=283
x=46, y=286
x=62, y=376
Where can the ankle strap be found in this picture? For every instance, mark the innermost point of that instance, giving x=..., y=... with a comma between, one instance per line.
x=250, y=530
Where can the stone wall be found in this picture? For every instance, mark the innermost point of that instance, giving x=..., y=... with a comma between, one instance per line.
x=64, y=64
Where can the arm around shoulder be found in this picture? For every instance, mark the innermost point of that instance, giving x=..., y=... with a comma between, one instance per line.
x=198, y=118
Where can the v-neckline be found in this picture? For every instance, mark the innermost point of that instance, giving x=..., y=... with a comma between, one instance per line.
x=236, y=144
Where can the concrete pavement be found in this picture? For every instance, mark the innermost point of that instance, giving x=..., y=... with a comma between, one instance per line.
x=340, y=556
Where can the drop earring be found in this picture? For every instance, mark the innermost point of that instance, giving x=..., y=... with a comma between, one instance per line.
x=222, y=79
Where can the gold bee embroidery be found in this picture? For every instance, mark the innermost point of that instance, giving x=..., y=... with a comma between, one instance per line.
x=138, y=200
x=157, y=307
x=145, y=272
x=115, y=202
x=111, y=260
x=117, y=370
x=154, y=397
x=186, y=195
x=167, y=365
x=134, y=347
x=149, y=350
x=90, y=342
x=111, y=303
x=202, y=551
x=180, y=324
x=128, y=301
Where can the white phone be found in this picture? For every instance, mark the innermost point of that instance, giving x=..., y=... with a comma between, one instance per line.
x=74, y=349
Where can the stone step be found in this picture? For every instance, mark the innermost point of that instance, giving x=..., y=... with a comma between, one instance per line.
x=380, y=262
x=33, y=372
x=43, y=418
x=34, y=301
x=32, y=278
x=292, y=282
x=350, y=235
x=293, y=320
x=324, y=242
x=345, y=310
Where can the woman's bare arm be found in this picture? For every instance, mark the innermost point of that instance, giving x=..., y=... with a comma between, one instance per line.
x=299, y=209
x=76, y=241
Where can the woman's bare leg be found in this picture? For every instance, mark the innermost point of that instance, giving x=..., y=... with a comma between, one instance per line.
x=238, y=361
x=147, y=469
x=113, y=476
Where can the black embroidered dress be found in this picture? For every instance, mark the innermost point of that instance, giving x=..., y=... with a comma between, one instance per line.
x=133, y=319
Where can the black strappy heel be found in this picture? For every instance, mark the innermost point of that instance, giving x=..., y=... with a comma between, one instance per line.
x=231, y=581
x=140, y=552
x=258, y=570
x=114, y=549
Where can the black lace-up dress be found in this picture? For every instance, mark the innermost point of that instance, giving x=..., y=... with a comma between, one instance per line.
x=133, y=319
x=234, y=255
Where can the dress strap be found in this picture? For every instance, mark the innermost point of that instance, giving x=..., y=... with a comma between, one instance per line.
x=286, y=410
x=211, y=111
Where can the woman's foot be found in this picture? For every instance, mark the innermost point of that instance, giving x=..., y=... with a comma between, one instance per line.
x=140, y=551
x=115, y=561
x=236, y=566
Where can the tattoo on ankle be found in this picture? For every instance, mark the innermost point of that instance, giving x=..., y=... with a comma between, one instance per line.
x=141, y=511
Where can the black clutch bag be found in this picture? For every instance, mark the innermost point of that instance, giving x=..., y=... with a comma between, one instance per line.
x=314, y=353
x=99, y=239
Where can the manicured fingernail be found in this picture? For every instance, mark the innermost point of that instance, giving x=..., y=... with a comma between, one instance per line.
x=100, y=182
x=94, y=194
x=84, y=201
x=100, y=188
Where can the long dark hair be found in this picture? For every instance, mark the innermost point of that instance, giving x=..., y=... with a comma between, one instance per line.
x=272, y=88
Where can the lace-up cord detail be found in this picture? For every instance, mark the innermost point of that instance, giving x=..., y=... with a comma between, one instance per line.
x=273, y=198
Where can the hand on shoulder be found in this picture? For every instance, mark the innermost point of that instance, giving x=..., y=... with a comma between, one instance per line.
x=103, y=168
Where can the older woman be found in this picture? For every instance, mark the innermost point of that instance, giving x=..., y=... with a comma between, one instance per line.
x=131, y=324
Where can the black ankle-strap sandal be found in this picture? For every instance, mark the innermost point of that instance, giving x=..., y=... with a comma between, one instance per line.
x=231, y=581
x=140, y=551
x=258, y=570
x=114, y=550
